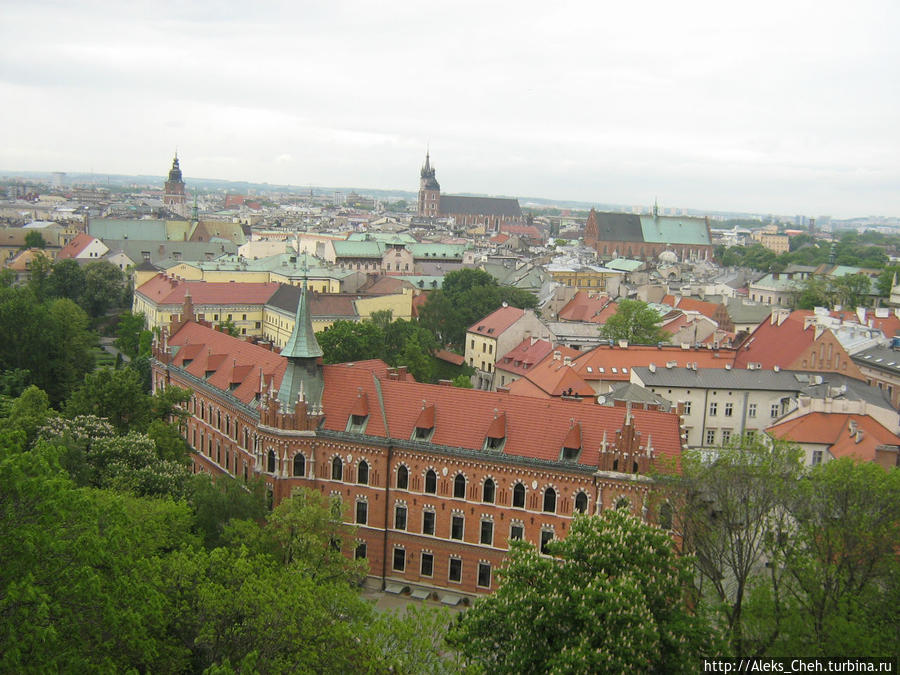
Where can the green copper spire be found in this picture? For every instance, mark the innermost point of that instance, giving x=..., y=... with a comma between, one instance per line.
x=302, y=343
x=303, y=375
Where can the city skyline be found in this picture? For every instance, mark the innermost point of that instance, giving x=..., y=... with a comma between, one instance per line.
x=770, y=109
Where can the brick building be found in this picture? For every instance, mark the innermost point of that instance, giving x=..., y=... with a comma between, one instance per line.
x=645, y=237
x=437, y=479
x=489, y=212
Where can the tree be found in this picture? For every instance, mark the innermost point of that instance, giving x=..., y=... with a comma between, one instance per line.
x=841, y=561
x=886, y=280
x=228, y=326
x=28, y=413
x=351, y=341
x=814, y=292
x=116, y=395
x=130, y=334
x=851, y=290
x=217, y=502
x=635, y=322
x=34, y=239
x=612, y=599
x=462, y=381
x=104, y=287
x=732, y=514
x=66, y=280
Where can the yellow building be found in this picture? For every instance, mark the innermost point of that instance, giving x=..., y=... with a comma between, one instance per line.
x=161, y=300
x=778, y=243
x=583, y=277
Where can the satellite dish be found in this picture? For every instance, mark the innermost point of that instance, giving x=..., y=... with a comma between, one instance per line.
x=601, y=400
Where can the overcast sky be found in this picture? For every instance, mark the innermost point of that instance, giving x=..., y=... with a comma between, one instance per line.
x=782, y=106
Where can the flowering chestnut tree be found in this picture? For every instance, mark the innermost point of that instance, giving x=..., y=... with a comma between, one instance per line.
x=609, y=598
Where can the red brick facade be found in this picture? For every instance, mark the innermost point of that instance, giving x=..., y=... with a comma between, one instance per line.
x=459, y=504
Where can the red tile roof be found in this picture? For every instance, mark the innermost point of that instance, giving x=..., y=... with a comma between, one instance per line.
x=450, y=357
x=524, y=356
x=834, y=430
x=535, y=428
x=601, y=362
x=553, y=377
x=497, y=321
x=590, y=308
x=164, y=290
x=76, y=246
x=772, y=345
x=691, y=304
x=224, y=361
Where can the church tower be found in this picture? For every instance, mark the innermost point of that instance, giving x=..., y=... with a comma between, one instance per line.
x=429, y=191
x=173, y=197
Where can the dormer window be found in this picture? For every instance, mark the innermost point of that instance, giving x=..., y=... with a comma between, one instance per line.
x=359, y=415
x=571, y=448
x=424, y=428
x=495, y=438
x=357, y=423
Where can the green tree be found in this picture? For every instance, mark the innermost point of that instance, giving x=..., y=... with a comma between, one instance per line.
x=611, y=599
x=34, y=239
x=814, y=292
x=228, y=326
x=66, y=280
x=732, y=514
x=104, y=288
x=50, y=340
x=634, y=321
x=39, y=276
x=130, y=333
x=841, y=561
x=28, y=413
x=216, y=503
x=851, y=290
x=462, y=381
x=347, y=341
x=886, y=280
x=115, y=395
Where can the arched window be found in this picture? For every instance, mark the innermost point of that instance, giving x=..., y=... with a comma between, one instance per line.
x=362, y=473
x=270, y=463
x=337, y=469
x=550, y=500
x=402, y=477
x=622, y=503
x=616, y=464
x=581, y=502
x=665, y=516
x=487, y=492
x=634, y=467
x=299, y=464
x=459, y=486
x=519, y=496
x=430, y=482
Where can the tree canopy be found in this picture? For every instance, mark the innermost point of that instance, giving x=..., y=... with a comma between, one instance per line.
x=467, y=295
x=634, y=321
x=610, y=599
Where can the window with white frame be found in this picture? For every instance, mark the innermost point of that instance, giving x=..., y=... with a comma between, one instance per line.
x=428, y=519
x=362, y=512
x=427, y=564
x=484, y=575
x=713, y=408
x=457, y=526
x=729, y=409
x=487, y=532
x=751, y=410
x=399, y=517
x=455, y=571
x=710, y=436
x=399, y=559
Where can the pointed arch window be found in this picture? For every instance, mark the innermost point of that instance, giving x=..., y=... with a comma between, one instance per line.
x=337, y=469
x=487, y=491
x=581, y=502
x=299, y=464
x=550, y=500
x=518, y=500
x=362, y=473
x=270, y=461
x=431, y=482
x=402, y=477
x=665, y=516
x=459, y=486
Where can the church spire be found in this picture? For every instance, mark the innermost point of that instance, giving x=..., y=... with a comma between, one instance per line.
x=303, y=374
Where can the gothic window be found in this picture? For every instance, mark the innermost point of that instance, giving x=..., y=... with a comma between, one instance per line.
x=519, y=496
x=581, y=502
x=402, y=477
x=299, y=464
x=550, y=500
x=337, y=469
x=459, y=486
x=487, y=493
x=430, y=482
x=362, y=473
x=270, y=464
